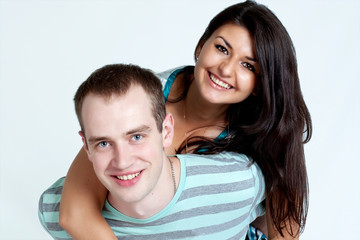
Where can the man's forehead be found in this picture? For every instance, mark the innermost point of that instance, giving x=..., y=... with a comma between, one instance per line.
x=134, y=92
x=117, y=112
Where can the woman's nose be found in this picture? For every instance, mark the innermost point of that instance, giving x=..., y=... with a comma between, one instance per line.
x=227, y=67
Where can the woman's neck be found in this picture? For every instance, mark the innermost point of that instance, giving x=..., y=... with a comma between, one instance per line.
x=193, y=115
x=197, y=109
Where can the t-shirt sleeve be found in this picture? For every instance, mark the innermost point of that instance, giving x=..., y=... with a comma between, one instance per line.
x=258, y=208
x=48, y=211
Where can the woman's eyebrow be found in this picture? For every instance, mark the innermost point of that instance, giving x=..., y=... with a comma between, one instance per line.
x=226, y=42
x=251, y=59
x=229, y=46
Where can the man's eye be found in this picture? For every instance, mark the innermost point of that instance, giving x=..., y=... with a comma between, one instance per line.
x=222, y=49
x=136, y=138
x=248, y=66
x=103, y=144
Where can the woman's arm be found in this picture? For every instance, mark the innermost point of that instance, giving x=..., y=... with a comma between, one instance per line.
x=273, y=233
x=260, y=224
x=82, y=199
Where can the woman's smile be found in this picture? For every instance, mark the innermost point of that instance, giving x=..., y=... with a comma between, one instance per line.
x=219, y=83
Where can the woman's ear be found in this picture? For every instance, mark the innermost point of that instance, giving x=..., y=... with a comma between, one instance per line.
x=256, y=91
x=198, y=51
x=168, y=130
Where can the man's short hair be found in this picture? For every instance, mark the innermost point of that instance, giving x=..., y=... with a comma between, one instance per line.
x=117, y=79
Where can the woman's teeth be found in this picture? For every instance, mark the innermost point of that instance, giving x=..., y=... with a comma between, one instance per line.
x=219, y=82
x=128, y=177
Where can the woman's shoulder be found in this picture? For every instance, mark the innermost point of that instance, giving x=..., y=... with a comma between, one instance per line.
x=165, y=74
x=169, y=74
x=167, y=79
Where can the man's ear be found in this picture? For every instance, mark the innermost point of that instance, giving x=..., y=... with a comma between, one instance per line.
x=168, y=130
x=81, y=133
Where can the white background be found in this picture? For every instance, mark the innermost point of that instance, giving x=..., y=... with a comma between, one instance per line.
x=47, y=48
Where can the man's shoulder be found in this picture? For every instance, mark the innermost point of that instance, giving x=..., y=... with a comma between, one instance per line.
x=235, y=166
x=218, y=158
x=51, y=197
x=48, y=211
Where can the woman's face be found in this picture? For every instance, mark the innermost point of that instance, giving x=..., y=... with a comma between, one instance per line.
x=226, y=69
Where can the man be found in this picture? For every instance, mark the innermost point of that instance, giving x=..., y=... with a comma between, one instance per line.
x=125, y=130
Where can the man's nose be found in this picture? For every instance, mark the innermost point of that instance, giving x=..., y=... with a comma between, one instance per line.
x=122, y=158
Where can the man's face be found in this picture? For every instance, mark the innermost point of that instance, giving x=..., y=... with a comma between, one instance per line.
x=124, y=144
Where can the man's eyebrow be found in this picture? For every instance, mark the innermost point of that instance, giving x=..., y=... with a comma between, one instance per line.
x=142, y=128
x=95, y=139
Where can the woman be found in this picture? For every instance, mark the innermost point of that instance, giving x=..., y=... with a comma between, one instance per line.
x=243, y=95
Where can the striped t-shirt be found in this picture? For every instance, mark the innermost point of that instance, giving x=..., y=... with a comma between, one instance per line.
x=217, y=198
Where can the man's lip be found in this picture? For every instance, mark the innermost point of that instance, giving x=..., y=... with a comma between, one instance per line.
x=127, y=175
x=128, y=182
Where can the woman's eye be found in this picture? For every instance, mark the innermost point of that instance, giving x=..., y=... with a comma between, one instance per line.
x=103, y=144
x=222, y=49
x=248, y=66
x=136, y=138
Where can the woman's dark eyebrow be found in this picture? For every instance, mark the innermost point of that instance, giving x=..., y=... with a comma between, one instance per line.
x=229, y=46
x=251, y=59
x=226, y=42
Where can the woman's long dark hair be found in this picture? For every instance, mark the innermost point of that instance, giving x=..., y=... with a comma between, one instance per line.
x=272, y=126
